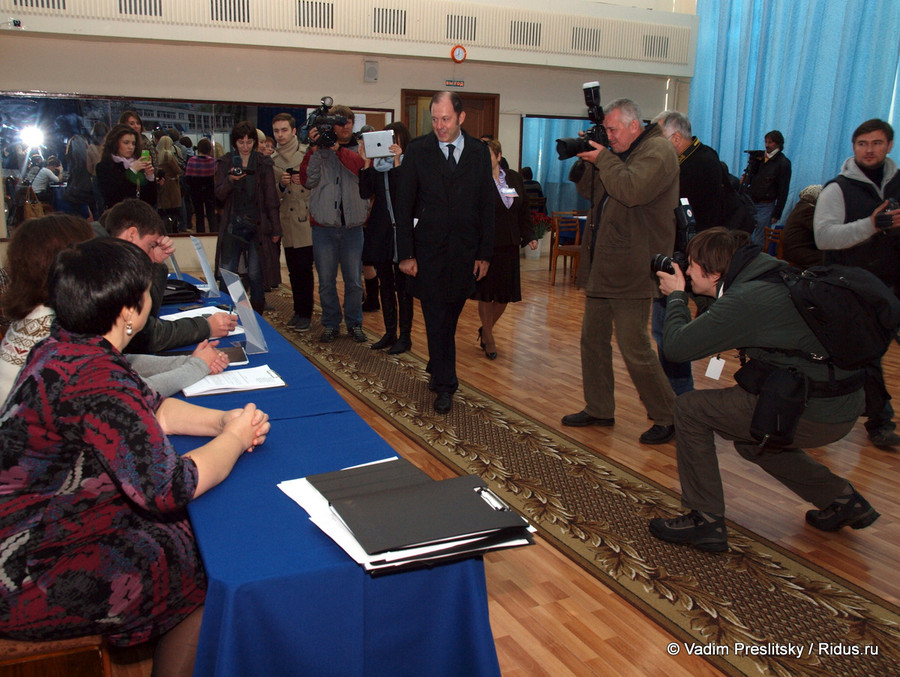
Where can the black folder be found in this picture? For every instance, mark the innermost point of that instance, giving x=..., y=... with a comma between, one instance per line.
x=425, y=513
x=367, y=479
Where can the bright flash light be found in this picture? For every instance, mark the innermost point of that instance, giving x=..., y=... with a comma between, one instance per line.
x=32, y=137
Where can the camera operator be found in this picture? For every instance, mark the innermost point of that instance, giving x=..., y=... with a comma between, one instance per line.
x=751, y=312
x=633, y=188
x=768, y=176
x=337, y=216
x=856, y=225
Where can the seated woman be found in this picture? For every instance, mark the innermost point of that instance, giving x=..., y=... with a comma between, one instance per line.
x=31, y=251
x=93, y=528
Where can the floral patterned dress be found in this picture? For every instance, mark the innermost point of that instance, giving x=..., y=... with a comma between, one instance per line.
x=94, y=535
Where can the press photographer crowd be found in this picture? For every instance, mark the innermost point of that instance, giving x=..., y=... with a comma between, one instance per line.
x=674, y=247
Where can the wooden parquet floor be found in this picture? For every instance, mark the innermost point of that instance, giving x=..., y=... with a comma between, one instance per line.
x=549, y=616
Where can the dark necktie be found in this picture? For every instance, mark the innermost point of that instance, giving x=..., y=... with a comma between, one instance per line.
x=451, y=159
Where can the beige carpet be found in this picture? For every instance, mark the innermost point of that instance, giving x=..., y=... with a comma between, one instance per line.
x=748, y=607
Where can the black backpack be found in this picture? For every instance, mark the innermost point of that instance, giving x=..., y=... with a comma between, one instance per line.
x=852, y=313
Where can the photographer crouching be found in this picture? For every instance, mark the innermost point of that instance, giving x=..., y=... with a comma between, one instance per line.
x=781, y=392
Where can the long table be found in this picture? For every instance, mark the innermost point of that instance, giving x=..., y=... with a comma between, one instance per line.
x=283, y=599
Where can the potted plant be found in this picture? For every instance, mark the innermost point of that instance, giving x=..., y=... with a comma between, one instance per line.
x=542, y=224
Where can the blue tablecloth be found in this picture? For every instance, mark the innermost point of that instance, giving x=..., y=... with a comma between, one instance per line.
x=283, y=599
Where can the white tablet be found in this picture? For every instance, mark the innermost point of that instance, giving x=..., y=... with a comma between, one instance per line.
x=378, y=144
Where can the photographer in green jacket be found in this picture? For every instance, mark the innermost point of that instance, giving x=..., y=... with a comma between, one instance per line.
x=758, y=317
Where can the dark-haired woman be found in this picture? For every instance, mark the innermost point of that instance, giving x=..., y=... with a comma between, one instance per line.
x=378, y=180
x=93, y=528
x=513, y=228
x=29, y=255
x=122, y=171
x=245, y=182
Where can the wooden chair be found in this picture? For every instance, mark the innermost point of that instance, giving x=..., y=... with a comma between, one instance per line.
x=537, y=204
x=87, y=656
x=565, y=224
x=554, y=241
x=773, y=236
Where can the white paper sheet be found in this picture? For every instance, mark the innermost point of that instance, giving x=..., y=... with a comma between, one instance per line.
x=205, y=311
x=235, y=380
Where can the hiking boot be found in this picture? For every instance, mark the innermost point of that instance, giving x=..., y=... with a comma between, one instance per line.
x=384, y=342
x=329, y=335
x=357, y=334
x=850, y=510
x=884, y=437
x=658, y=434
x=705, y=532
x=582, y=418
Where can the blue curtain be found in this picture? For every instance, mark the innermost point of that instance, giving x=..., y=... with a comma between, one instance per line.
x=813, y=69
x=539, y=152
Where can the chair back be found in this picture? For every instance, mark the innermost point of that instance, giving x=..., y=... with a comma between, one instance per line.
x=773, y=244
x=567, y=228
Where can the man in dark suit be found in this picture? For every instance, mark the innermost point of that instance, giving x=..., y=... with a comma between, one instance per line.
x=445, y=231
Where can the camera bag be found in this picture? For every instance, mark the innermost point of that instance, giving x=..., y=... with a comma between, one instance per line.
x=782, y=395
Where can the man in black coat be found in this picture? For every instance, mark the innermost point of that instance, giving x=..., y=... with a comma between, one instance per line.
x=445, y=231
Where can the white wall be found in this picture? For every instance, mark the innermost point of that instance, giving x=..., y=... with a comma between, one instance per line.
x=142, y=69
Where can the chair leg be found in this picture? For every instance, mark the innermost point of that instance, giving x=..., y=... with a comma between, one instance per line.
x=553, y=269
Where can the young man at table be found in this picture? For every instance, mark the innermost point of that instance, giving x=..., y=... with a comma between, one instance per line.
x=445, y=231
x=137, y=222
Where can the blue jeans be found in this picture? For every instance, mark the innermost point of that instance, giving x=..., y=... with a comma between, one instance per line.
x=254, y=271
x=763, y=220
x=331, y=247
x=679, y=373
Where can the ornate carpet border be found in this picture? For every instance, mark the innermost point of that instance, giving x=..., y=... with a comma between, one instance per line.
x=596, y=511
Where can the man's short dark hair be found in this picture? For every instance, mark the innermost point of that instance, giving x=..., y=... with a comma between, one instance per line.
x=286, y=117
x=526, y=173
x=242, y=129
x=91, y=282
x=454, y=100
x=133, y=212
x=712, y=249
x=777, y=137
x=874, y=125
x=186, y=142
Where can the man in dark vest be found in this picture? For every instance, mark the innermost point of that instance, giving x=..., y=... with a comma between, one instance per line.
x=856, y=225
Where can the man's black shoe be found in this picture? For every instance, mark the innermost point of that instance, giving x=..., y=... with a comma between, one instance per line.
x=693, y=529
x=854, y=512
x=443, y=402
x=658, y=434
x=884, y=437
x=582, y=418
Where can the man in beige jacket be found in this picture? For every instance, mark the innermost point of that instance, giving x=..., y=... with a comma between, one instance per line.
x=294, y=213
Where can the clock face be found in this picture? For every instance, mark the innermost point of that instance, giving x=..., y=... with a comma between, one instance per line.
x=458, y=54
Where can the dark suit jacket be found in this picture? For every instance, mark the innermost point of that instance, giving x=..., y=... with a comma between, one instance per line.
x=512, y=226
x=455, y=213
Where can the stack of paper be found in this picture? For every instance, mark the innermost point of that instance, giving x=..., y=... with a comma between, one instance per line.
x=235, y=380
x=390, y=516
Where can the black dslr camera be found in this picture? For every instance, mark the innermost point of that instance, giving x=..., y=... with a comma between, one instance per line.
x=324, y=124
x=567, y=148
x=685, y=229
x=883, y=220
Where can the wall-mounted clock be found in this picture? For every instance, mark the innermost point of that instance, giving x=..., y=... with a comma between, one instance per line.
x=458, y=54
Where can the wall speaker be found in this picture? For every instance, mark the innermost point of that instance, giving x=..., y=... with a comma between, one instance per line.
x=370, y=73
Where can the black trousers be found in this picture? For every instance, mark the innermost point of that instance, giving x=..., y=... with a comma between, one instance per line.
x=440, y=328
x=394, y=294
x=300, y=271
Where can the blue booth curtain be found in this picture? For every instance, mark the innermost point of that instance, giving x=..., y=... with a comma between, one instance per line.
x=813, y=69
x=539, y=136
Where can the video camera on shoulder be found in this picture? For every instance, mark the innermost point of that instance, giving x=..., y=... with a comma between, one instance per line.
x=570, y=147
x=324, y=124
